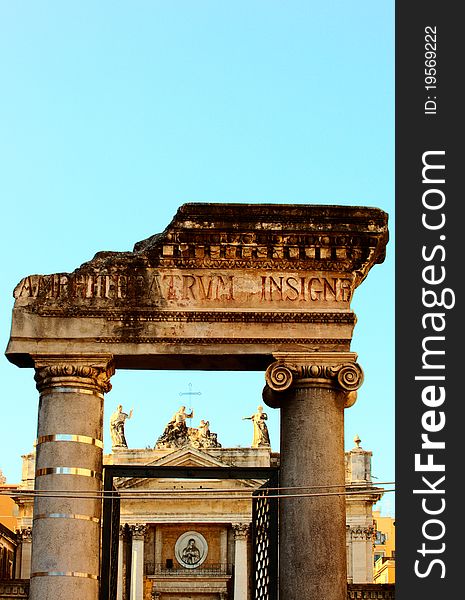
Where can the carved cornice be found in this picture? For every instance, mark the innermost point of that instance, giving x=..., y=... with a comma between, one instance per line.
x=286, y=238
x=297, y=264
x=82, y=372
x=284, y=266
x=270, y=236
x=142, y=315
x=327, y=369
x=337, y=342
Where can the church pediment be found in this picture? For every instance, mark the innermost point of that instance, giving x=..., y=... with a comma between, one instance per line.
x=184, y=457
x=191, y=457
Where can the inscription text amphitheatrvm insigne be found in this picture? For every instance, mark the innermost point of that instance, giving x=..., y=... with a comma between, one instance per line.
x=180, y=287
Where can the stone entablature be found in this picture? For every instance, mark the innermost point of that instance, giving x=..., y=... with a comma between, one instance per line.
x=219, y=278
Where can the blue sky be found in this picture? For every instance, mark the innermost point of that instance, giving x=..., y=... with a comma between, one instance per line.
x=113, y=114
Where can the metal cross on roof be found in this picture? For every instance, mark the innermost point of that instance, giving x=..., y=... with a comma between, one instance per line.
x=190, y=393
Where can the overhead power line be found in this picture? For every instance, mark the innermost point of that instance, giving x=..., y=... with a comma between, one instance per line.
x=194, y=494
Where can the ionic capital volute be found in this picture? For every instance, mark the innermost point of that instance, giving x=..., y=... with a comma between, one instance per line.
x=89, y=372
x=337, y=370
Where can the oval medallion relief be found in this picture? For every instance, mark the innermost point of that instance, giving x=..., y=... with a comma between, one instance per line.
x=191, y=549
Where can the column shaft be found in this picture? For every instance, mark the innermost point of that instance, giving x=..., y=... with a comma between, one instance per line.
x=137, y=562
x=25, y=560
x=312, y=391
x=241, y=576
x=66, y=533
x=312, y=531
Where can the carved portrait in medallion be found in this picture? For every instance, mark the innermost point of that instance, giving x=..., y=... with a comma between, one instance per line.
x=191, y=549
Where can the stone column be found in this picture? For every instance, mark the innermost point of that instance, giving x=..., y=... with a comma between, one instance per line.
x=66, y=531
x=241, y=576
x=26, y=547
x=137, y=561
x=312, y=390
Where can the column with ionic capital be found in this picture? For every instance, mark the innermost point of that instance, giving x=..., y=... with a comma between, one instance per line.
x=312, y=390
x=241, y=575
x=66, y=530
x=138, y=532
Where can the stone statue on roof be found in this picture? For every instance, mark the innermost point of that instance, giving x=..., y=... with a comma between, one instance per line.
x=177, y=434
x=261, y=436
x=117, y=420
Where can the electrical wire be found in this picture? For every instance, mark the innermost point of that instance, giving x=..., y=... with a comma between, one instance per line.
x=155, y=495
x=122, y=492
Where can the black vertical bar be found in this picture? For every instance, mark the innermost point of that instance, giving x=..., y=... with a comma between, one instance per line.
x=429, y=267
x=254, y=534
x=105, y=562
x=114, y=550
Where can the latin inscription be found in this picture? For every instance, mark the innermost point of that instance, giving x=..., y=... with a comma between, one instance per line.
x=313, y=289
x=183, y=289
x=197, y=287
